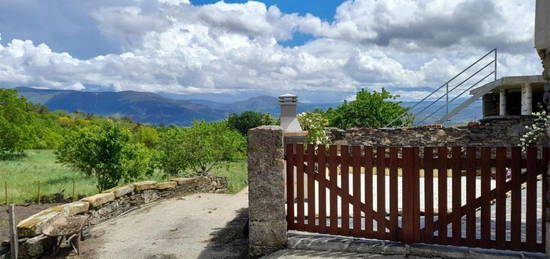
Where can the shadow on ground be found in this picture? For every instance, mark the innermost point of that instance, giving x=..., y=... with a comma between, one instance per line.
x=232, y=237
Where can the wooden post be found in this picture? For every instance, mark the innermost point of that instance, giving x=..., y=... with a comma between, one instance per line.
x=74, y=194
x=13, y=232
x=6, y=192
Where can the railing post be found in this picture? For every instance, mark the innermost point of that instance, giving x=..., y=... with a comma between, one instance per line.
x=447, y=100
x=496, y=59
x=266, y=193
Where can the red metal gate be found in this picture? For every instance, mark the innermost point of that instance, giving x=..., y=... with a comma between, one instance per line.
x=483, y=197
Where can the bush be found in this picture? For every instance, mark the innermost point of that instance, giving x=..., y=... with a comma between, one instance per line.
x=370, y=110
x=105, y=152
x=249, y=120
x=200, y=148
x=314, y=123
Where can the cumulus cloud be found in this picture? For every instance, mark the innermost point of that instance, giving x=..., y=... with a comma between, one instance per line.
x=176, y=47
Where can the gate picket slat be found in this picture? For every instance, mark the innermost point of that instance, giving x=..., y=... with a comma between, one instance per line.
x=428, y=195
x=356, y=154
x=290, y=186
x=344, y=168
x=442, y=194
x=416, y=192
x=368, y=192
x=332, y=185
x=500, y=197
x=321, y=163
x=311, y=187
x=381, y=191
x=456, y=196
x=516, y=199
x=471, y=153
x=393, y=194
x=300, y=185
x=485, y=201
x=531, y=231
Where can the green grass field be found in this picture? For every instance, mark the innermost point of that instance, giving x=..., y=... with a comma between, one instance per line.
x=24, y=176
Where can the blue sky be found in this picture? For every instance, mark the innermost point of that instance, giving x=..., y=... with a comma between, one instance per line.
x=324, y=51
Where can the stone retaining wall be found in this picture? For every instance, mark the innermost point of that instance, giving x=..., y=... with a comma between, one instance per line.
x=106, y=205
x=494, y=133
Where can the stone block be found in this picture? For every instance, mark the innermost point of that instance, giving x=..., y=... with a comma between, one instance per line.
x=32, y=226
x=120, y=191
x=145, y=185
x=166, y=185
x=99, y=199
x=192, y=181
x=73, y=208
x=36, y=247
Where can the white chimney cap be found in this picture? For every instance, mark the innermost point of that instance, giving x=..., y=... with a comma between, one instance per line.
x=288, y=99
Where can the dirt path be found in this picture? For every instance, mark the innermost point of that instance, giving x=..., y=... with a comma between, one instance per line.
x=195, y=226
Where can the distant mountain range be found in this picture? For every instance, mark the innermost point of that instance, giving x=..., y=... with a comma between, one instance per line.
x=156, y=109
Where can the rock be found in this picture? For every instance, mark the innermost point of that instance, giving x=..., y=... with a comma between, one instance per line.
x=121, y=190
x=166, y=185
x=99, y=199
x=36, y=246
x=32, y=226
x=73, y=208
x=145, y=185
x=197, y=180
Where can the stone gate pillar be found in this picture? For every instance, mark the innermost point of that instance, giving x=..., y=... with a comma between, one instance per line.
x=266, y=193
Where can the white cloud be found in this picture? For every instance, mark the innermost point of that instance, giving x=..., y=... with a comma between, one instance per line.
x=173, y=46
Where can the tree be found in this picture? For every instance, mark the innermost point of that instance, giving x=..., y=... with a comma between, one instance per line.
x=17, y=129
x=248, y=120
x=105, y=152
x=200, y=148
x=370, y=109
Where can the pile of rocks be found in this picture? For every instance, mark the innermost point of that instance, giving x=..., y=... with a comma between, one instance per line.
x=106, y=205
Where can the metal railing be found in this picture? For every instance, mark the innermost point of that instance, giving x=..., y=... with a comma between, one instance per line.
x=469, y=72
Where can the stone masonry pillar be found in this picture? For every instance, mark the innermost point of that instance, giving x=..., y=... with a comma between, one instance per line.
x=266, y=193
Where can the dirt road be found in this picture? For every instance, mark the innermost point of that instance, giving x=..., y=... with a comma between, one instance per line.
x=195, y=226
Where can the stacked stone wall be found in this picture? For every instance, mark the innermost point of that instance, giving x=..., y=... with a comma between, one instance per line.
x=493, y=133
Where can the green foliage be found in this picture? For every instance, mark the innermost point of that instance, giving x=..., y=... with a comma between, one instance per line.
x=105, y=152
x=17, y=129
x=537, y=130
x=248, y=120
x=146, y=135
x=371, y=110
x=200, y=148
x=314, y=123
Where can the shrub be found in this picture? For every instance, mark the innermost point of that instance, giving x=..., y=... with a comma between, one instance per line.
x=105, y=152
x=248, y=120
x=314, y=123
x=535, y=131
x=200, y=148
